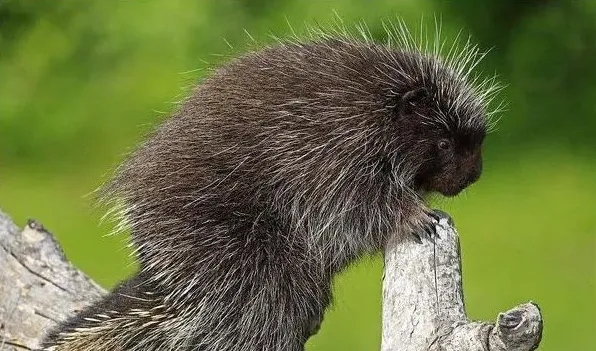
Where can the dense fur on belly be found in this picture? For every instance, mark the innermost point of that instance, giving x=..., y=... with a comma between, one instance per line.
x=281, y=168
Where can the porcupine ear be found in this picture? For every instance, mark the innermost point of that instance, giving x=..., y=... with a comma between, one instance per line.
x=412, y=99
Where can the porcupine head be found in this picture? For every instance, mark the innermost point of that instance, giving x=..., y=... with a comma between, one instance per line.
x=289, y=162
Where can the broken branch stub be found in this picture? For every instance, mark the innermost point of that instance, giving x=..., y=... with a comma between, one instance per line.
x=38, y=286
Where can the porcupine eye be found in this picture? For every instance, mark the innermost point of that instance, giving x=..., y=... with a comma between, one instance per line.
x=444, y=144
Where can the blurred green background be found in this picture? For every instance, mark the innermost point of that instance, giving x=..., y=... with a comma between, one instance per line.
x=82, y=81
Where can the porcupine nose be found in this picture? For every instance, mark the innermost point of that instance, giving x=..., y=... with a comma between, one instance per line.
x=475, y=171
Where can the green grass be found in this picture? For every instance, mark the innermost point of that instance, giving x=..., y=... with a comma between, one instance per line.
x=527, y=232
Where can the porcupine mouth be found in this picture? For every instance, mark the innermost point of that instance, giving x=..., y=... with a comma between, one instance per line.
x=424, y=191
x=450, y=192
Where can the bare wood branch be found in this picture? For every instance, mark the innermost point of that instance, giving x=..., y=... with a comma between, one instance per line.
x=423, y=305
x=423, y=300
x=38, y=285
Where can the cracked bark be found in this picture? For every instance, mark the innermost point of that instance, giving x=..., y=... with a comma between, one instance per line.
x=422, y=309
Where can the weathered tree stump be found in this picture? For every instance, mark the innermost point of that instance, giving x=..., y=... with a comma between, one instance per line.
x=422, y=295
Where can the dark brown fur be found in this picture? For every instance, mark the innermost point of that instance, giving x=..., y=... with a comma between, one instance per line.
x=283, y=167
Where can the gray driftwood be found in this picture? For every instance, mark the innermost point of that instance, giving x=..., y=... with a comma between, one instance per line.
x=422, y=292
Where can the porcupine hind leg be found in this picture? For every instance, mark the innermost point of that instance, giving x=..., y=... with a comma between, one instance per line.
x=262, y=291
x=267, y=295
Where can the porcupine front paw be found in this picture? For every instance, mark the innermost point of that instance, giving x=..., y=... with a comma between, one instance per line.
x=428, y=227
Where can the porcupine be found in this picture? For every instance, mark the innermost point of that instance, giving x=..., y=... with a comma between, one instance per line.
x=283, y=167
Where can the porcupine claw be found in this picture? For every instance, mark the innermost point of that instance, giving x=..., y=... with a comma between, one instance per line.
x=438, y=215
x=430, y=229
x=427, y=229
x=417, y=238
x=429, y=225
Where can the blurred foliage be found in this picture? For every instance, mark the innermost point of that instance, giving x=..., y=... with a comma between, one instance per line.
x=82, y=81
